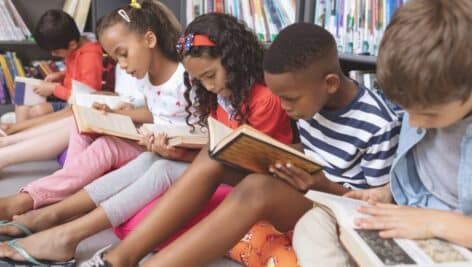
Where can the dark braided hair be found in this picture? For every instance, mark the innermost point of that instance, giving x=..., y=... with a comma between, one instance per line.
x=241, y=56
x=152, y=16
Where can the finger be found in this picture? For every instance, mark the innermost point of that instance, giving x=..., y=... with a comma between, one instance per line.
x=281, y=175
x=393, y=233
x=374, y=210
x=377, y=223
x=150, y=142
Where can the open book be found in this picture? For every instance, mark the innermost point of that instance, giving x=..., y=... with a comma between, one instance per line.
x=250, y=149
x=368, y=249
x=84, y=95
x=24, y=93
x=181, y=135
x=91, y=121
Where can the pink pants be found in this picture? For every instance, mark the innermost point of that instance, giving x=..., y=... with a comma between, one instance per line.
x=88, y=158
x=126, y=228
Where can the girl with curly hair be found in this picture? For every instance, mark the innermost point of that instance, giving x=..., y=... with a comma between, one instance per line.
x=223, y=62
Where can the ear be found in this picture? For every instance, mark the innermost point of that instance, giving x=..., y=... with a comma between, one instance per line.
x=332, y=82
x=73, y=45
x=150, y=39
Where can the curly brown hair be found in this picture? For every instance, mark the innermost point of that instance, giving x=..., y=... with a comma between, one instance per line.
x=241, y=56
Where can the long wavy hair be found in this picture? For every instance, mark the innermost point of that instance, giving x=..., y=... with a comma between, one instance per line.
x=241, y=56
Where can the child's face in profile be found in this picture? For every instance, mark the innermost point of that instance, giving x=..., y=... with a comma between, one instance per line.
x=439, y=116
x=132, y=51
x=302, y=95
x=209, y=72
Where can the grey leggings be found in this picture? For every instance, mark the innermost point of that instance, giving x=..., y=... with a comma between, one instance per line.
x=125, y=191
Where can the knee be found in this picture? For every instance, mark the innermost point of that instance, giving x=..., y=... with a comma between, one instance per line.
x=40, y=110
x=253, y=191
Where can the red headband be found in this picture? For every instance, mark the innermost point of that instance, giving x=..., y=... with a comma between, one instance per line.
x=190, y=40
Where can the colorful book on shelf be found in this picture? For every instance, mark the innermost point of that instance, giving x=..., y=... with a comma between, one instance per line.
x=4, y=98
x=250, y=149
x=8, y=75
x=369, y=250
x=24, y=91
x=92, y=121
x=180, y=135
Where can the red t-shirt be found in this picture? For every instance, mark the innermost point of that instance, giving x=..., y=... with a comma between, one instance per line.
x=84, y=65
x=265, y=114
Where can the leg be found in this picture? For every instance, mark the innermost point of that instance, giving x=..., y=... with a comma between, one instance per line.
x=59, y=243
x=85, y=200
x=20, y=126
x=316, y=241
x=104, y=154
x=180, y=203
x=49, y=127
x=256, y=198
x=157, y=179
x=38, y=148
x=24, y=113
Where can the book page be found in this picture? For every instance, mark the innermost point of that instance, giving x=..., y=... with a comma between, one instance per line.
x=345, y=209
x=87, y=100
x=79, y=88
x=91, y=120
x=217, y=132
x=390, y=252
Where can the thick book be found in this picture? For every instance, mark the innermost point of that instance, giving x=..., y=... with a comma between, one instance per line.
x=92, y=121
x=24, y=91
x=181, y=135
x=250, y=149
x=369, y=250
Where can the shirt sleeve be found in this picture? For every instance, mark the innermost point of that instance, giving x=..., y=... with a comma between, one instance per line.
x=380, y=153
x=266, y=115
x=89, y=70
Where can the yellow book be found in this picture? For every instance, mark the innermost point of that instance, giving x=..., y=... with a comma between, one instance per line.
x=7, y=74
x=250, y=149
x=92, y=121
x=369, y=250
x=19, y=66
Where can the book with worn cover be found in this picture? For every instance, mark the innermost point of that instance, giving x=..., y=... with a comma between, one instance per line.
x=92, y=121
x=250, y=149
x=24, y=91
x=181, y=135
x=369, y=250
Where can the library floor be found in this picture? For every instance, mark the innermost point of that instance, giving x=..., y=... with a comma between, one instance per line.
x=13, y=177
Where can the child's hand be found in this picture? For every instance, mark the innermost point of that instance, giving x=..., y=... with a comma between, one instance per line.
x=102, y=107
x=395, y=221
x=380, y=194
x=45, y=89
x=160, y=146
x=124, y=106
x=297, y=177
x=54, y=77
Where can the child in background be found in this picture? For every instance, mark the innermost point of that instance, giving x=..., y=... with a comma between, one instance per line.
x=428, y=75
x=57, y=32
x=37, y=140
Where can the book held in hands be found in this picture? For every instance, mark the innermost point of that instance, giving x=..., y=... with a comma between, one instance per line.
x=370, y=250
x=92, y=121
x=24, y=91
x=179, y=135
x=250, y=149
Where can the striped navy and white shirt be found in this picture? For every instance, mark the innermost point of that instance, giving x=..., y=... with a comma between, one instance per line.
x=356, y=144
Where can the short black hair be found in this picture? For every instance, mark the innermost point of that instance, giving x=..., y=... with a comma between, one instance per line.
x=298, y=46
x=55, y=30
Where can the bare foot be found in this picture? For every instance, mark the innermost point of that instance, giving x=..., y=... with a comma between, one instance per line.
x=51, y=245
x=34, y=220
x=15, y=204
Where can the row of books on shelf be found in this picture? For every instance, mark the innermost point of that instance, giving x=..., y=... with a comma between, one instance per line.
x=11, y=67
x=14, y=28
x=357, y=25
x=265, y=17
x=12, y=25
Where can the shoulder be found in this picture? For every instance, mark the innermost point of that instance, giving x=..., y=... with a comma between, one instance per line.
x=90, y=48
x=261, y=96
